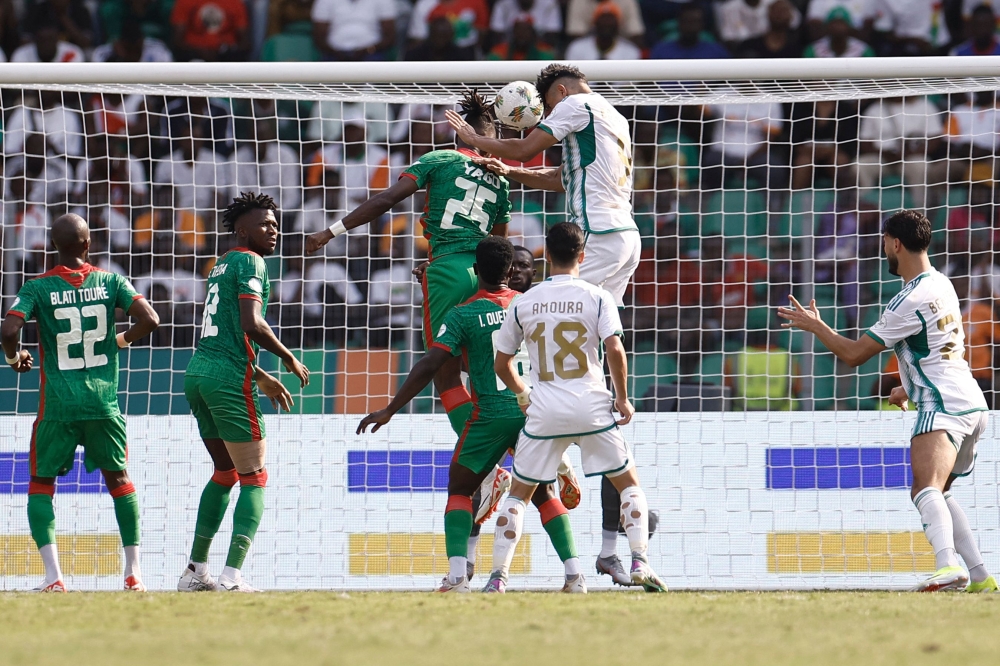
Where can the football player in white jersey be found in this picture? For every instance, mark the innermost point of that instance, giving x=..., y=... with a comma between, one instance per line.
x=923, y=325
x=563, y=321
x=596, y=170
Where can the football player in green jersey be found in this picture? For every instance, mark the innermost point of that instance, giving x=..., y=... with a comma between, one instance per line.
x=221, y=384
x=465, y=203
x=495, y=422
x=74, y=305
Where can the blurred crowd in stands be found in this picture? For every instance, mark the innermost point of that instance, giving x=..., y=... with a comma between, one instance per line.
x=739, y=204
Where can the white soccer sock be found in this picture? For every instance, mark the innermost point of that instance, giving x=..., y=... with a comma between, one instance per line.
x=456, y=568
x=473, y=545
x=938, y=526
x=200, y=568
x=132, y=561
x=508, y=532
x=965, y=541
x=231, y=573
x=609, y=543
x=572, y=566
x=50, y=557
x=635, y=515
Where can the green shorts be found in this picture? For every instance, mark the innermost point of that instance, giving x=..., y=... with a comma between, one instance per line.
x=484, y=442
x=53, y=445
x=224, y=410
x=449, y=281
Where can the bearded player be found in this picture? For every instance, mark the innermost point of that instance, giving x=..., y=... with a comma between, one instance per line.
x=465, y=203
x=496, y=419
x=74, y=305
x=221, y=384
x=923, y=325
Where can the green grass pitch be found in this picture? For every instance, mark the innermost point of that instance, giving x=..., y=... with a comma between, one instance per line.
x=857, y=628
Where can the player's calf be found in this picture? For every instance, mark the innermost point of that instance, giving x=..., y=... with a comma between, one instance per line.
x=42, y=521
x=126, y=503
x=555, y=520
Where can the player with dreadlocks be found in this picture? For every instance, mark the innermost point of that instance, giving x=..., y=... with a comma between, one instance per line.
x=465, y=203
x=221, y=384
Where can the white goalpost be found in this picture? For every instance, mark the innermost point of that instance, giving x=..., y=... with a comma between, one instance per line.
x=771, y=466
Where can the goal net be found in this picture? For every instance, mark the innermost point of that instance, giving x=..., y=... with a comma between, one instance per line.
x=770, y=464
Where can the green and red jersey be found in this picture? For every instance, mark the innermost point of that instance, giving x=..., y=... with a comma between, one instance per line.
x=469, y=330
x=75, y=311
x=464, y=200
x=224, y=351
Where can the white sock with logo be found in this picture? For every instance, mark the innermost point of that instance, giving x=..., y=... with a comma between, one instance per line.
x=965, y=541
x=938, y=526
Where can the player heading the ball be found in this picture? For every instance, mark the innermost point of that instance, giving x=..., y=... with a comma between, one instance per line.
x=221, y=384
x=923, y=326
x=465, y=203
x=74, y=305
x=564, y=321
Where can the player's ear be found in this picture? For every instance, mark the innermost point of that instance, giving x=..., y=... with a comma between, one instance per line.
x=579, y=259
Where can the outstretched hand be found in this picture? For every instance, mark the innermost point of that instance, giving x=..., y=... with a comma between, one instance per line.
x=375, y=419
x=463, y=130
x=799, y=317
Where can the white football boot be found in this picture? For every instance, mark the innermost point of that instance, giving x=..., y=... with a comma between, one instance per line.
x=492, y=491
x=192, y=581
x=227, y=584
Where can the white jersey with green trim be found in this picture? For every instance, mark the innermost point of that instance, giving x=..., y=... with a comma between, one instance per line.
x=923, y=325
x=564, y=322
x=596, y=162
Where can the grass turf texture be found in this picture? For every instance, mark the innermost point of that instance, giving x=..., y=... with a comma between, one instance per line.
x=414, y=628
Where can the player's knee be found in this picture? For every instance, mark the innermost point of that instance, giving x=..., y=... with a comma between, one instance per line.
x=226, y=478
x=258, y=479
x=41, y=486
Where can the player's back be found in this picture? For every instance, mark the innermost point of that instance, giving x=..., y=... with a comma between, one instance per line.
x=224, y=350
x=923, y=325
x=75, y=311
x=564, y=322
x=464, y=200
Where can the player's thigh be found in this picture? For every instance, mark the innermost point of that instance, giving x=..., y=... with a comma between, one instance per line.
x=625, y=249
x=248, y=457
x=932, y=458
x=105, y=444
x=484, y=443
x=234, y=410
x=199, y=407
x=53, y=447
x=536, y=461
x=448, y=281
x=605, y=453
x=964, y=431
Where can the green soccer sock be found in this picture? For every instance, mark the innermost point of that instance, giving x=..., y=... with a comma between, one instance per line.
x=457, y=528
x=211, y=511
x=246, y=519
x=458, y=416
x=41, y=519
x=127, y=514
x=561, y=535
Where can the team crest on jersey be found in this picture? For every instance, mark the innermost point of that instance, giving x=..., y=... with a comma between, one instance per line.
x=255, y=284
x=442, y=330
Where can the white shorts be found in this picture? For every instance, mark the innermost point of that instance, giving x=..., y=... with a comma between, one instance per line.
x=610, y=261
x=602, y=453
x=964, y=431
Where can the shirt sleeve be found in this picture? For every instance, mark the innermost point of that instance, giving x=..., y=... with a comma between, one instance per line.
x=419, y=172
x=451, y=336
x=895, y=325
x=510, y=336
x=127, y=294
x=503, y=213
x=567, y=117
x=252, y=278
x=609, y=322
x=24, y=304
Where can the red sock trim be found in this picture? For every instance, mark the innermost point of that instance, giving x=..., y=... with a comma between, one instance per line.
x=36, y=488
x=259, y=479
x=455, y=397
x=458, y=503
x=122, y=491
x=227, y=478
x=551, y=509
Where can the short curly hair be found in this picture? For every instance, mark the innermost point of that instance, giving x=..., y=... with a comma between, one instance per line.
x=911, y=227
x=243, y=204
x=553, y=73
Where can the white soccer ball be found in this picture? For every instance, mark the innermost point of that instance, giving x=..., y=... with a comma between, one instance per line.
x=518, y=105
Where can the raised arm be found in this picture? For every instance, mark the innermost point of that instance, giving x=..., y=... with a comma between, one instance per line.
x=420, y=376
x=544, y=178
x=851, y=352
x=370, y=210
x=258, y=330
x=519, y=150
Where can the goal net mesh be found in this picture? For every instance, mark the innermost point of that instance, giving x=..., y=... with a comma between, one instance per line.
x=770, y=464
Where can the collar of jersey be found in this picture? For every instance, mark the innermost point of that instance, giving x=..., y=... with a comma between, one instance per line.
x=922, y=275
x=560, y=278
x=468, y=153
x=244, y=249
x=75, y=276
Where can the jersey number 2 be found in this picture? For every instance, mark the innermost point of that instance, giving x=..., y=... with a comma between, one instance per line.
x=476, y=196
x=208, y=329
x=75, y=335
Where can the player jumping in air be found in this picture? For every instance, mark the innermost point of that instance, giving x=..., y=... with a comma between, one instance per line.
x=221, y=385
x=494, y=424
x=923, y=325
x=465, y=203
x=596, y=174
x=563, y=321
x=74, y=305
